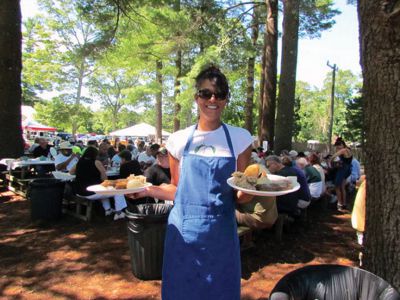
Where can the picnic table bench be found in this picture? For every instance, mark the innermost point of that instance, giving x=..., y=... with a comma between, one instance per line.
x=18, y=185
x=78, y=207
x=246, y=234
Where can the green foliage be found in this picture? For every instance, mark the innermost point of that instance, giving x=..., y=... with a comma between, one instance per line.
x=39, y=72
x=311, y=113
x=312, y=109
x=354, y=130
x=59, y=113
x=316, y=16
x=76, y=44
x=103, y=120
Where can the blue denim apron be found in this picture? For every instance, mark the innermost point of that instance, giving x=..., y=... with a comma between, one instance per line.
x=202, y=254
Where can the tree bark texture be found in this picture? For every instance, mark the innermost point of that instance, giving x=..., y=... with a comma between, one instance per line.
x=248, y=114
x=380, y=61
x=159, y=80
x=10, y=79
x=177, y=83
x=287, y=80
x=78, y=96
x=268, y=75
x=177, y=91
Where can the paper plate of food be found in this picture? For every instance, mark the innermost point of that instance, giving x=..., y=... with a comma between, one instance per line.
x=255, y=181
x=130, y=185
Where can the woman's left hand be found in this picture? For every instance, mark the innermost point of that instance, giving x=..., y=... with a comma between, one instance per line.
x=138, y=195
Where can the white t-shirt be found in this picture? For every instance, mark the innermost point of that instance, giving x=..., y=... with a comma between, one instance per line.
x=60, y=158
x=116, y=160
x=143, y=157
x=209, y=143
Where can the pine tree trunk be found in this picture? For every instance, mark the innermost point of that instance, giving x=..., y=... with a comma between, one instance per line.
x=380, y=61
x=177, y=83
x=159, y=80
x=10, y=79
x=177, y=91
x=287, y=81
x=248, y=113
x=78, y=96
x=266, y=128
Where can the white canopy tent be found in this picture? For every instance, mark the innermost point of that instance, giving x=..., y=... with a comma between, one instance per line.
x=139, y=130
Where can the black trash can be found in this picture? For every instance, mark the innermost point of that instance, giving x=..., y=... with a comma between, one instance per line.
x=147, y=225
x=46, y=196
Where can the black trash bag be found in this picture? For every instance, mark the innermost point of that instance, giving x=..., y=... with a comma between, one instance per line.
x=332, y=282
x=147, y=225
x=46, y=196
x=148, y=213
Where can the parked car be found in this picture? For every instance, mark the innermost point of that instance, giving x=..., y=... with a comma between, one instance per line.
x=64, y=135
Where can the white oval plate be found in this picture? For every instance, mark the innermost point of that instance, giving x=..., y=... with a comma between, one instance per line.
x=265, y=193
x=111, y=191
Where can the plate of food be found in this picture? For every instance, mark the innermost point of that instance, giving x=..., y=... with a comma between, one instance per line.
x=255, y=181
x=130, y=185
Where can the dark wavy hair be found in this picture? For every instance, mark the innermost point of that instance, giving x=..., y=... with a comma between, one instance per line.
x=339, y=142
x=90, y=153
x=214, y=74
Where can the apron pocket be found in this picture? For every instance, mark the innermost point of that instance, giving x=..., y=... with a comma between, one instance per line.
x=200, y=229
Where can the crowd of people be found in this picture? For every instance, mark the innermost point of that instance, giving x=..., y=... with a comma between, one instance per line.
x=202, y=253
x=90, y=163
x=330, y=176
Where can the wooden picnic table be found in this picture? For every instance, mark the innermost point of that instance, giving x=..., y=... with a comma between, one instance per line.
x=17, y=179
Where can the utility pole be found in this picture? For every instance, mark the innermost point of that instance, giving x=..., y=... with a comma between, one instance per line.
x=331, y=115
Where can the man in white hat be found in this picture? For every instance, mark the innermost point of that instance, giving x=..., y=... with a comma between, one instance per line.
x=65, y=160
x=293, y=154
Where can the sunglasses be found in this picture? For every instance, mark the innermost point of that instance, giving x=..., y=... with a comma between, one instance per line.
x=206, y=94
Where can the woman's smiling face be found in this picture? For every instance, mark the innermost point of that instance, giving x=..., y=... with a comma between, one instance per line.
x=210, y=109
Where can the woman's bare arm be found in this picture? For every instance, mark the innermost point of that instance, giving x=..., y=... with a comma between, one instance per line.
x=242, y=163
x=101, y=169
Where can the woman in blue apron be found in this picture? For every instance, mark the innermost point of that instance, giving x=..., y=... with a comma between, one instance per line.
x=202, y=253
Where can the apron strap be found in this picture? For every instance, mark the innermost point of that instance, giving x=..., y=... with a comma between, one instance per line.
x=189, y=141
x=227, y=135
x=228, y=139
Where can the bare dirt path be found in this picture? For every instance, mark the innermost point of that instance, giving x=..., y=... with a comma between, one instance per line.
x=71, y=259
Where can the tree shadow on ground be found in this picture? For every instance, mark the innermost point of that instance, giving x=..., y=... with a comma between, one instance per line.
x=67, y=259
x=72, y=259
x=324, y=234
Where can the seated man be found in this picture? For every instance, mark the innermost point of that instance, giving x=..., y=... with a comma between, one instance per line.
x=65, y=160
x=159, y=173
x=42, y=149
x=103, y=154
x=128, y=166
x=260, y=213
x=355, y=175
x=285, y=203
x=134, y=151
x=34, y=145
x=313, y=177
x=303, y=194
x=146, y=158
x=116, y=159
x=289, y=203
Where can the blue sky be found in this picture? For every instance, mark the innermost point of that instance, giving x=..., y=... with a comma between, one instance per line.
x=339, y=45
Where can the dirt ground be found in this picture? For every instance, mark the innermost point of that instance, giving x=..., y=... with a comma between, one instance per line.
x=72, y=259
